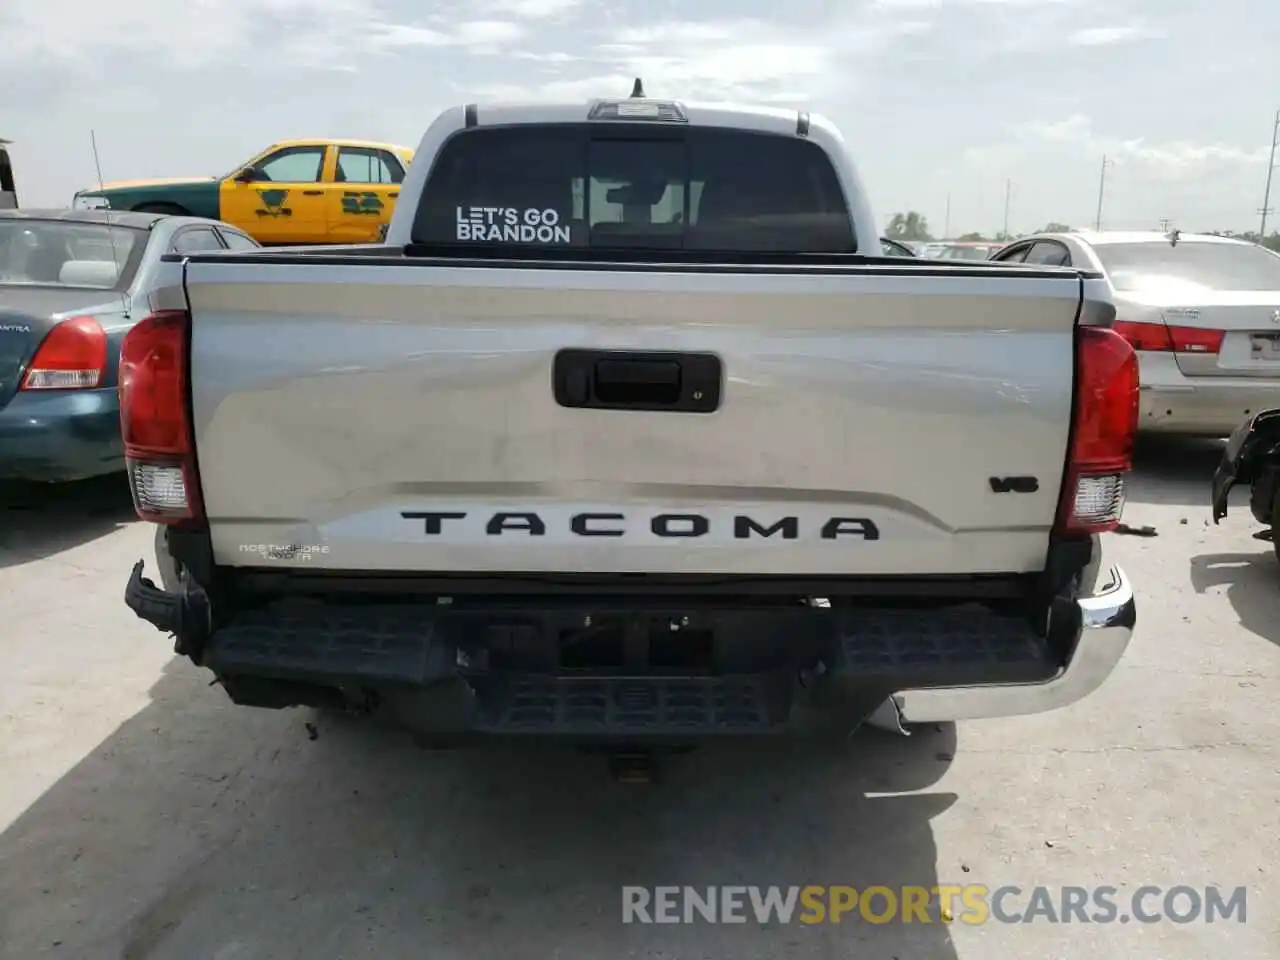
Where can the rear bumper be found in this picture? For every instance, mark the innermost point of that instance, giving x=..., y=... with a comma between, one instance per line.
x=1206, y=406
x=61, y=435
x=1106, y=622
x=500, y=670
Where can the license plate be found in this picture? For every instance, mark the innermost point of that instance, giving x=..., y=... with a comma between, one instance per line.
x=1266, y=346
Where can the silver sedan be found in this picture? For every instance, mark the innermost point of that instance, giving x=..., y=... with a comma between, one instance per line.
x=1202, y=311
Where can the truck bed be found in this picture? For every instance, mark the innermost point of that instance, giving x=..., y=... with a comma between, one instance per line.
x=875, y=417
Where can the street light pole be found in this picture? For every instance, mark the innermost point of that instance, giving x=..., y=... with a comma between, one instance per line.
x=946, y=231
x=1271, y=165
x=1102, y=182
x=1008, y=189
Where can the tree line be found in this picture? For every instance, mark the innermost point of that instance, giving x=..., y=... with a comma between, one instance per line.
x=914, y=226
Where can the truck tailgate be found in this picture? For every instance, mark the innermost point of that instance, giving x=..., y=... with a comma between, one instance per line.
x=400, y=416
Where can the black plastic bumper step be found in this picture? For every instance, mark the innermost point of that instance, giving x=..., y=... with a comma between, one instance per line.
x=955, y=642
x=418, y=645
x=652, y=706
x=390, y=644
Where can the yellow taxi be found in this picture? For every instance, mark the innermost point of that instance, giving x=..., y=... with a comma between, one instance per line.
x=293, y=192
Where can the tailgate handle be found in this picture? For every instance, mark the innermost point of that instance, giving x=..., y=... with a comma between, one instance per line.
x=629, y=380
x=638, y=381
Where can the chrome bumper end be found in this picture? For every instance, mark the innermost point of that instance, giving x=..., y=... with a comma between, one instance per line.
x=1107, y=620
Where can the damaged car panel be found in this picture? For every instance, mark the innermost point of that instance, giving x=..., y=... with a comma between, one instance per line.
x=1251, y=456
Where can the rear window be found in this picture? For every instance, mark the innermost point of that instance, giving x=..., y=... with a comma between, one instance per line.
x=543, y=187
x=67, y=253
x=1216, y=266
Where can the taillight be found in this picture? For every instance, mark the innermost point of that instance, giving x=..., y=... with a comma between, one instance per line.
x=1104, y=426
x=1195, y=340
x=1162, y=337
x=155, y=420
x=72, y=356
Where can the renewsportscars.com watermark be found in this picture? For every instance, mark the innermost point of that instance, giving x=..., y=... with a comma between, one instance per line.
x=969, y=903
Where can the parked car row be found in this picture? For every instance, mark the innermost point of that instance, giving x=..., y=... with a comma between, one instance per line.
x=73, y=282
x=1202, y=311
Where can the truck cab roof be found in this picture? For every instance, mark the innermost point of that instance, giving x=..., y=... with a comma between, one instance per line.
x=669, y=119
x=766, y=119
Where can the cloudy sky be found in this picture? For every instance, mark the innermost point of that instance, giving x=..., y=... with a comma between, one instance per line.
x=939, y=98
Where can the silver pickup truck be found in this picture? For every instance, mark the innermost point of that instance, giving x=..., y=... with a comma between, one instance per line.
x=628, y=434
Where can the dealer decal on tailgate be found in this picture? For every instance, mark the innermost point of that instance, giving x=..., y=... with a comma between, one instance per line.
x=673, y=526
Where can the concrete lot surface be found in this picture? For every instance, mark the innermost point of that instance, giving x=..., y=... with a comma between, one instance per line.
x=142, y=816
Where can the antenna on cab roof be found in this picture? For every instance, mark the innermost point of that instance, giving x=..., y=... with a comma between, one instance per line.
x=637, y=91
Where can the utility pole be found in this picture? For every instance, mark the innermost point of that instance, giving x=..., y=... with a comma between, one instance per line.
x=1102, y=182
x=1271, y=165
x=946, y=230
x=1008, y=189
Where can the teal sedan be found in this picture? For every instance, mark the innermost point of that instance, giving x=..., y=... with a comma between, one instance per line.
x=72, y=283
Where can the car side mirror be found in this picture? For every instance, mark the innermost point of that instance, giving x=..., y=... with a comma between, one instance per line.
x=248, y=175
